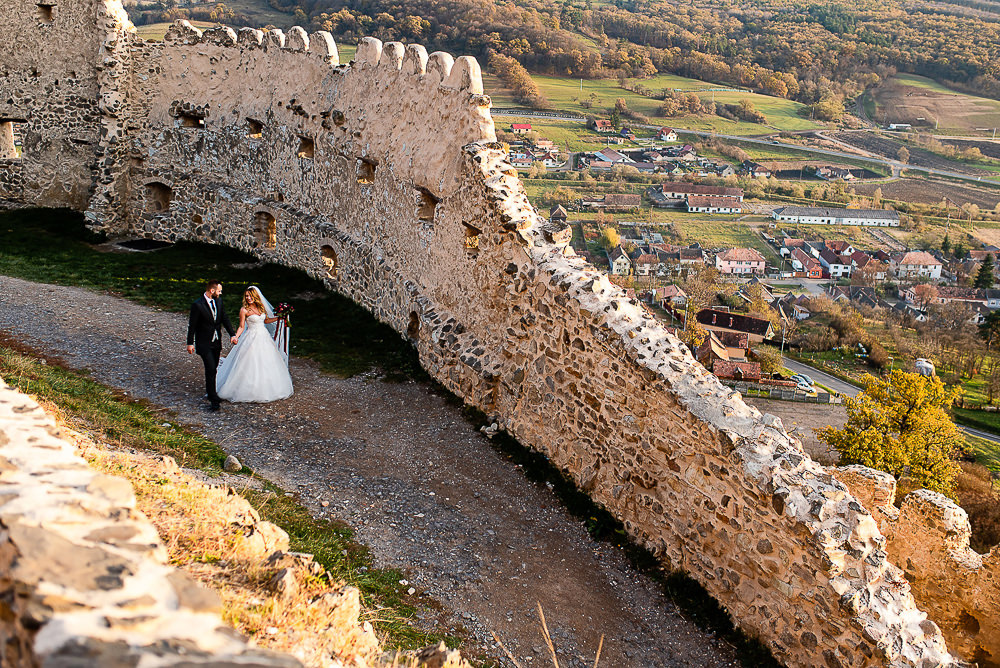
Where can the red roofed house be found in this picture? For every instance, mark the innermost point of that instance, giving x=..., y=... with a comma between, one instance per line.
x=520, y=128
x=740, y=261
x=737, y=370
x=646, y=264
x=802, y=261
x=666, y=134
x=722, y=321
x=603, y=125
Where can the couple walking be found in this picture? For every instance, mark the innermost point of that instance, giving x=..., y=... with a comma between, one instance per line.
x=256, y=368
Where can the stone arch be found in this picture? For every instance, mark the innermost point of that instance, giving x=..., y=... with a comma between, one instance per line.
x=159, y=196
x=265, y=227
x=330, y=261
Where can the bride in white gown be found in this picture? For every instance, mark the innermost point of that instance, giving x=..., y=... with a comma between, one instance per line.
x=256, y=369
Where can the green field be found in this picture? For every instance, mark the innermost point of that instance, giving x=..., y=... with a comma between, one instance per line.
x=565, y=94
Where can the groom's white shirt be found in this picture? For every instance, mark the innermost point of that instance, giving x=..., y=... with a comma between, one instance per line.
x=211, y=307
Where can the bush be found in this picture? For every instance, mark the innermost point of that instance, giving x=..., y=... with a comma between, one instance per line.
x=877, y=355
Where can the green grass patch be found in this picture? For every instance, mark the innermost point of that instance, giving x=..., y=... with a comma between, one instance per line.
x=154, y=32
x=95, y=409
x=572, y=95
x=986, y=452
x=52, y=246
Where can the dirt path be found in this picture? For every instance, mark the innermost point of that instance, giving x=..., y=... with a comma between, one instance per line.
x=399, y=464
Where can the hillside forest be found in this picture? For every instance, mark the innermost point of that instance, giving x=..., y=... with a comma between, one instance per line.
x=812, y=51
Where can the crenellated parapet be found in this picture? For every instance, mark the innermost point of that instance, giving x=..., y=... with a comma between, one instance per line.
x=928, y=537
x=383, y=178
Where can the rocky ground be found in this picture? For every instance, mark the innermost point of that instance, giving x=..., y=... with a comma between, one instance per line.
x=399, y=463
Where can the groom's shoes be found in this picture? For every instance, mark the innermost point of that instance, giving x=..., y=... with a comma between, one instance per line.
x=215, y=406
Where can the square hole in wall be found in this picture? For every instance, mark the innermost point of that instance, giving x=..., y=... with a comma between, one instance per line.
x=255, y=129
x=46, y=12
x=426, y=205
x=471, y=239
x=307, y=148
x=191, y=121
x=366, y=171
x=12, y=138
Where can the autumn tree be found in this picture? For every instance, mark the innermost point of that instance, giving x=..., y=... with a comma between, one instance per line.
x=610, y=238
x=925, y=294
x=900, y=425
x=903, y=155
x=984, y=279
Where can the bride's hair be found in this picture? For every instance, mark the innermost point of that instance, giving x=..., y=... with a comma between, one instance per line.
x=251, y=299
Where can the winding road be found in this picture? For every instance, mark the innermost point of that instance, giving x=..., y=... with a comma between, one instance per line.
x=895, y=165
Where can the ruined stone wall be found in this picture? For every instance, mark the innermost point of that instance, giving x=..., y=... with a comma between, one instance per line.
x=928, y=537
x=84, y=578
x=51, y=63
x=384, y=179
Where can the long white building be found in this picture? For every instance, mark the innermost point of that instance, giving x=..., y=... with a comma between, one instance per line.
x=810, y=215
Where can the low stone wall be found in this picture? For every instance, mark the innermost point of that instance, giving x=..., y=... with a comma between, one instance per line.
x=83, y=575
x=928, y=537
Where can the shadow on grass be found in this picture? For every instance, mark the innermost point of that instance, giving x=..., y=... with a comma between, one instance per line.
x=53, y=246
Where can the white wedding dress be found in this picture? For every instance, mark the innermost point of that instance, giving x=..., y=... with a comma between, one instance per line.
x=255, y=369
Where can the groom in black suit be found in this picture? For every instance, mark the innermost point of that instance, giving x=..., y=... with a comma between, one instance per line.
x=208, y=317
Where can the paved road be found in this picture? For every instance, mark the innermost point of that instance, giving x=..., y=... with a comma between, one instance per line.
x=851, y=390
x=894, y=165
x=834, y=383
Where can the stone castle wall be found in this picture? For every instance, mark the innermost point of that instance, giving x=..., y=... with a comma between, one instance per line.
x=928, y=537
x=84, y=578
x=383, y=178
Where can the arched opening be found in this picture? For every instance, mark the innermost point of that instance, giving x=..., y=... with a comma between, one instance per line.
x=413, y=329
x=191, y=121
x=265, y=229
x=307, y=148
x=329, y=260
x=158, y=197
x=366, y=171
x=426, y=205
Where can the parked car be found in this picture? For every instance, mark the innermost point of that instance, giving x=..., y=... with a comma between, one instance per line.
x=924, y=367
x=802, y=378
x=807, y=388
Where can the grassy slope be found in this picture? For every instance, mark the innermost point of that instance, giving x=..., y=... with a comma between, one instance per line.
x=96, y=410
x=46, y=245
x=565, y=94
x=984, y=112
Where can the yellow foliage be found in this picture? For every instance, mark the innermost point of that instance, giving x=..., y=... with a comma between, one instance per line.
x=900, y=425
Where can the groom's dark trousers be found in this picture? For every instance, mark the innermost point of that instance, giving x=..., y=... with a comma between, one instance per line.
x=204, y=333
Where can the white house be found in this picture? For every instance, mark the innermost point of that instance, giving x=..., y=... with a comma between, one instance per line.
x=809, y=215
x=914, y=264
x=837, y=266
x=740, y=261
x=666, y=134
x=620, y=264
x=710, y=204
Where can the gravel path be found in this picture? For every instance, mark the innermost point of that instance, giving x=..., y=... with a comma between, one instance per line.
x=423, y=490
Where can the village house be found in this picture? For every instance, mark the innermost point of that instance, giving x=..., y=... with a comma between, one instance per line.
x=709, y=204
x=755, y=169
x=646, y=264
x=828, y=173
x=558, y=214
x=914, y=264
x=730, y=370
x=603, y=125
x=805, y=263
x=721, y=321
x=740, y=261
x=666, y=134
x=612, y=156
x=674, y=295
x=618, y=262
x=673, y=190
x=836, y=266
x=520, y=128
x=858, y=295
x=810, y=215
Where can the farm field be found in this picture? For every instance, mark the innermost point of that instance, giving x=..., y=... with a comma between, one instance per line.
x=154, y=32
x=568, y=135
x=906, y=97
x=931, y=191
x=565, y=94
x=889, y=148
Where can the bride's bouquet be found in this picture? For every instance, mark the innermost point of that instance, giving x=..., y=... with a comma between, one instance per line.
x=284, y=311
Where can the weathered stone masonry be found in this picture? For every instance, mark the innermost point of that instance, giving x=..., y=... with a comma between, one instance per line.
x=383, y=177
